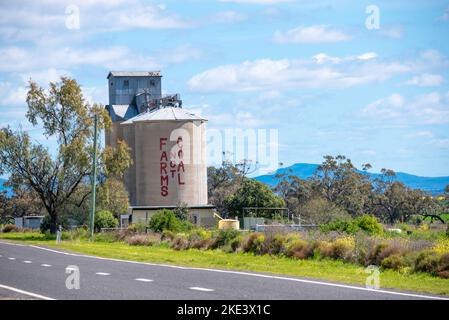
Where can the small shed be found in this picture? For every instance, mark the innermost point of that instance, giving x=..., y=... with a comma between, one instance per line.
x=29, y=222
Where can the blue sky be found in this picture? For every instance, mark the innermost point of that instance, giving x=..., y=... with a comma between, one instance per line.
x=310, y=69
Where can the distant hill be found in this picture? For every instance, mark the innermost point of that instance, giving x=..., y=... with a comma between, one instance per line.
x=433, y=185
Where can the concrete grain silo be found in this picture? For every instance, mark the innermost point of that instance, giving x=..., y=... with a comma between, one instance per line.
x=168, y=148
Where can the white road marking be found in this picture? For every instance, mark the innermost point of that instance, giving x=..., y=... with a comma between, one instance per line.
x=144, y=280
x=201, y=289
x=11, y=258
x=103, y=274
x=27, y=261
x=45, y=265
x=242, y=273
x=25, y=292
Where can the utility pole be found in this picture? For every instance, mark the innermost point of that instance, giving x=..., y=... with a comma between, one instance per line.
x=94, y=177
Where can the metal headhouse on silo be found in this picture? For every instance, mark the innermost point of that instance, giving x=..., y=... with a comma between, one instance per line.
x=168, y=147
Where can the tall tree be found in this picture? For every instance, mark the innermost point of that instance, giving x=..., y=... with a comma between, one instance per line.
x=65, y=115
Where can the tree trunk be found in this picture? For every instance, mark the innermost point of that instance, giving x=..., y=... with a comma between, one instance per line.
x=53, y=223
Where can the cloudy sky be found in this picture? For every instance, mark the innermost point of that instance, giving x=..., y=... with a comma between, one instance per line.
x=325, y=74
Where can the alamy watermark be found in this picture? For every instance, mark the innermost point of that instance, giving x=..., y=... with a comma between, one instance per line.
x=73, y=279
x=72, y=20
x=373, y=280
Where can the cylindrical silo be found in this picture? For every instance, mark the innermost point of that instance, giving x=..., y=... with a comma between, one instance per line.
x=169, y=158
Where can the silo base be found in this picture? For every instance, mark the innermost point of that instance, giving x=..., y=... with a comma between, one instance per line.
x=203, y=215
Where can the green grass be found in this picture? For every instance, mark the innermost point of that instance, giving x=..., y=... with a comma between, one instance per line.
x=330, y=270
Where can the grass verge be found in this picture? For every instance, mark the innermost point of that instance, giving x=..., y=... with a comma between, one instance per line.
x=330, y=270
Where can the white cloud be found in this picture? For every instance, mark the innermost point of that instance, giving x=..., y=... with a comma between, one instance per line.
x=426, y=109
x=15, y=59
x=265, y=2
x=319, y=72
x=324, y=58
x=390, y=107
x=426, y=80
x=392, y=32
x=310, y=34
x=445, y=15
x=228, y=16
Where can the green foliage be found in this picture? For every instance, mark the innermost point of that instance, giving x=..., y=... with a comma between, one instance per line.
x=224, y=237
x=253, y=243
x=368, y=224
x=47, y=223
x=105, y=219
x=165, y=220
x=56, y=177
x=252, y=193
x=341, y=225
x=112, y=196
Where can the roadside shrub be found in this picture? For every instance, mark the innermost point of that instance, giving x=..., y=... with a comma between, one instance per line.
x=224, y=237
x=299, y=249
x=78, y=234
x=340, y=225
x=396, y=262
x=324, y=248
x=200, y=239
x=180, y=243
x=366, y=223
x=167, y=235
x=273, y=244
x=253, y=243
x=137, y=228
x=203, y=244
x=143, y=240
x=442, y=246
x=165, y=220
x=369, y=224
x=343, y=248
x=107, y=237
x=427, y=261
x=443, y=266
x=104, y=219
x=10, y=228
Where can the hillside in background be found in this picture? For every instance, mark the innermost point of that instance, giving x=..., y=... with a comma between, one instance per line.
x=433, y=185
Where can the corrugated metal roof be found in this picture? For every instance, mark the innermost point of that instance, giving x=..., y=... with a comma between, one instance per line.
x=134, y=74
x=169, y=113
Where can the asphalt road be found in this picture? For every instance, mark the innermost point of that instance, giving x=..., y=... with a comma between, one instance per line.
x=40, y=273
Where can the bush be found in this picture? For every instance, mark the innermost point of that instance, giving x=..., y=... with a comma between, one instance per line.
x=143, y=240
x=427, y=261
x=180, y=243
x=369, y=224
x=396, y=262
x=10, y=228
x=167, y=235
x=104, y=219
x=299, y=249
x=273, y=244
x=343, y=248
x=340, y=225
x=224, y=237
x=253, y=243
x=165, y=220
x=138, y=228
x=366, y=223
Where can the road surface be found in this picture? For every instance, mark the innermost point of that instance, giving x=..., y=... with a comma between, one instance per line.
x=40, y=273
